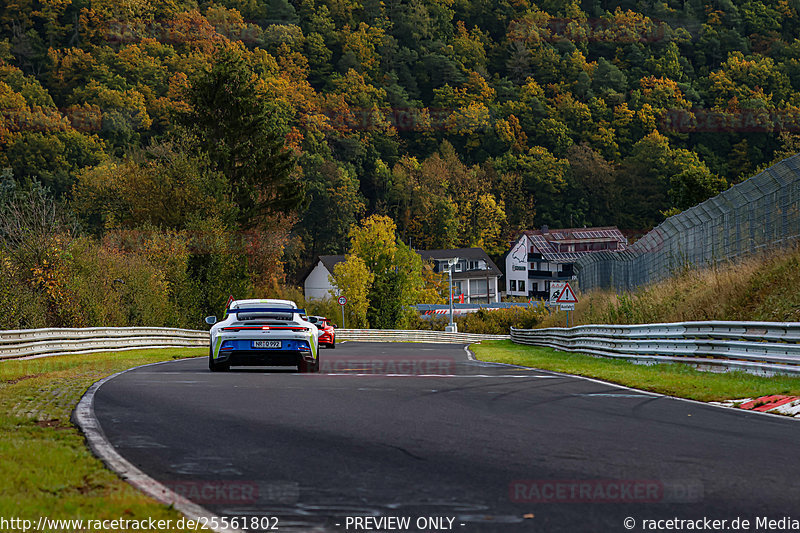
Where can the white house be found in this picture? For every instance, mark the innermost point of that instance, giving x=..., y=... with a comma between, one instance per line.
x=316, y=285
x=475, y=276
x=541, y=256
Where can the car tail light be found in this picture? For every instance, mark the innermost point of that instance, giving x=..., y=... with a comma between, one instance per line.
x=261, y=328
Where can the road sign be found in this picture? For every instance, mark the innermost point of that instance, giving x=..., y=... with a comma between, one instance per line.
x=567, y=296
x=567, y=307
x=342, y=300
x=555, y=290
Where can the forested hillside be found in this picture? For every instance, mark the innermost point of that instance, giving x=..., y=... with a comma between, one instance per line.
x=159, y=128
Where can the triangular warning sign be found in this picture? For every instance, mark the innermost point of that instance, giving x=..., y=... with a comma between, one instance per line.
x=567, y=296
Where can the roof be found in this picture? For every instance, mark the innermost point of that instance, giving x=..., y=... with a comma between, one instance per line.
x=546, y=239
x=461, y=253
x=331, y=260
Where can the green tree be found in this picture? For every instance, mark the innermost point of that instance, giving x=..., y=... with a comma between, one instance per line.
x=536, y=176
x=164, y=186
x=334, y=205
x=397, y=271
x=234, y=126
x=353, y=280
x=691, y=181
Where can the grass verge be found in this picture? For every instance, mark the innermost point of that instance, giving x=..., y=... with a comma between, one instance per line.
x=673, y=379
x=46, y=469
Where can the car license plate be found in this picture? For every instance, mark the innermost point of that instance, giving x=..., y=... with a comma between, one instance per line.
x=266, y=344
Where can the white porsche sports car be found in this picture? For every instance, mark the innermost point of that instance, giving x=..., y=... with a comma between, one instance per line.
x=263, y=333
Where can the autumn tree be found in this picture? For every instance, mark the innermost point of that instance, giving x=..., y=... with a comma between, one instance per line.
x=352, y=279
x=396, y=271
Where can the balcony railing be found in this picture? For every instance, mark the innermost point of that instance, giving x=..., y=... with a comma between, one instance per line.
x=546, y=274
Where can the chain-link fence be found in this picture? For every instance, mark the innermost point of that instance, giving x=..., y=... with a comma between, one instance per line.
x=757, y=214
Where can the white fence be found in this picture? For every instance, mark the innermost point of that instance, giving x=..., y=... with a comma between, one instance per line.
x=62, y=341
x=759, y=347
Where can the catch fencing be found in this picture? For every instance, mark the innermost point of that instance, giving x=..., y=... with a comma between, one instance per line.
x=756, y=347
x=753, y=216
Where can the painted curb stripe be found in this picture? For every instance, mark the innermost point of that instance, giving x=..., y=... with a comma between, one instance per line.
x=767, y=403
x=84, y=417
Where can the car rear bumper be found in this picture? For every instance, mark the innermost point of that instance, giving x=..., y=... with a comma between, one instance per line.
x=238, y=351
x=263, y=357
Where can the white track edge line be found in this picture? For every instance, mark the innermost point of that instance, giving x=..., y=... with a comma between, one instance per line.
x=84, y=417
x=471, y=356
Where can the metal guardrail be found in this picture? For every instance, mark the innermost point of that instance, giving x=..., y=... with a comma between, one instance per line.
x=757, y=347
x=15, y=344
x=400, y=335
x=61, y=341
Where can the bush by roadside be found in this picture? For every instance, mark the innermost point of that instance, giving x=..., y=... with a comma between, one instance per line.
x=491, y=322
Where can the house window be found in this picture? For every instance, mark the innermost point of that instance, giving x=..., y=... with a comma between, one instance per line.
x=457, y=267
x=521, y=286
x=477, y=287
x=512, y=285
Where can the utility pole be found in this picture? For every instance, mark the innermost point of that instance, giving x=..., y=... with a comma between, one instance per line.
x=451, y=328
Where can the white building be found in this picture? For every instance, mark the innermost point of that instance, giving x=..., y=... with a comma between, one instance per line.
x=541, y=256
x=316, y=285
x=475, y=275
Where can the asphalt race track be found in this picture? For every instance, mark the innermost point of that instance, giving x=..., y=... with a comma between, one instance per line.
x=418, y=431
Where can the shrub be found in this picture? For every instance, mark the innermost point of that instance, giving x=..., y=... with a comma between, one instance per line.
x=490, y=322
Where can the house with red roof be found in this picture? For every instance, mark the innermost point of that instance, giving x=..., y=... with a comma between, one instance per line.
x=540, y=256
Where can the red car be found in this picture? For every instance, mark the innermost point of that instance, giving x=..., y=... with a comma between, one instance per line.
x=327, y=336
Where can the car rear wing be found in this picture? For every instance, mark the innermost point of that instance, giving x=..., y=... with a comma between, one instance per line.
x=282, y=310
